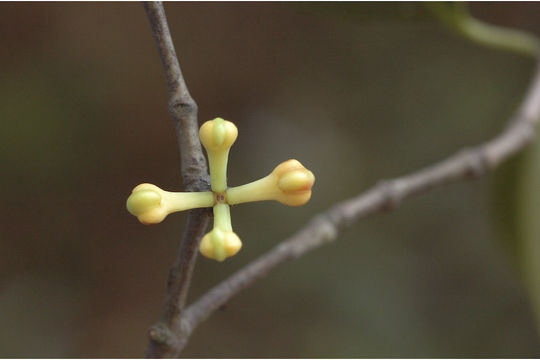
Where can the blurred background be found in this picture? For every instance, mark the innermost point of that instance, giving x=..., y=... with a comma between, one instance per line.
x=356, y=91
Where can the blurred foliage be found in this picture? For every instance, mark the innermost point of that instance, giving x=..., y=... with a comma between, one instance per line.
x=517, y=209
x=515, y=206
x=527, y=213
x=369, y=11
x=356, y=91
x=456, y=16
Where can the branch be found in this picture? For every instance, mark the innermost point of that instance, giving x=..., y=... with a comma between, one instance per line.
x=183, y=110
x=325, y=227
x=456, y=16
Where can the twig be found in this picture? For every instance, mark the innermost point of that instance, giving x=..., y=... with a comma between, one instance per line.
x=456, y=16
x=324, y=228
x=183, y=110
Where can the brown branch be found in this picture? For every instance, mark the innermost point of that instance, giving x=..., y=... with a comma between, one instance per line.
x=325, y=227
x=183, y=110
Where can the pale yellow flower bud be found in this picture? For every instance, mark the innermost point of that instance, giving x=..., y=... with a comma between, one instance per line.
x=217, y=137
x=151, y=205
x=219, y=245
x=290, y=183
x=221, y=242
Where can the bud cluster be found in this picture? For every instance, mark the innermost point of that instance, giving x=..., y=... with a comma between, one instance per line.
x=289, y=183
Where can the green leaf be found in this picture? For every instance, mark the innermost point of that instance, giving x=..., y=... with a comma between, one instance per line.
x=528, y=223
x=517, y=212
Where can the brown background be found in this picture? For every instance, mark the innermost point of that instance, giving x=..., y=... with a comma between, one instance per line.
x=357, y=92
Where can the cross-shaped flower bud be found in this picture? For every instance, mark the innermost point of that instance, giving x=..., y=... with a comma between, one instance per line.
x=289, y=183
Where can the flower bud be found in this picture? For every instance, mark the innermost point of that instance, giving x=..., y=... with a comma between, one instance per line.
x=221, y=242
x=219, y=245
x=145, y=203
x=290, y=183
x=217, y=137
x=218, y=134
x=151, y=205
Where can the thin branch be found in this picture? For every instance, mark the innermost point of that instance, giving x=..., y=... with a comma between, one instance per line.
x=183, y=110
x=182, y=107
x=325, y=227
x=456, y=16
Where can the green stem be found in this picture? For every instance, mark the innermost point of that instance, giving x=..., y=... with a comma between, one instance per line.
x=218, y=169
x=222, y=217
x=187, y=200
x=262, y=189
x=456, y=16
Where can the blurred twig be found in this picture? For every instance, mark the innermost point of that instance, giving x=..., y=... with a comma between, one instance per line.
x=324, y=228
x=183, y=110
x=456, y=15
x=170, y=335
